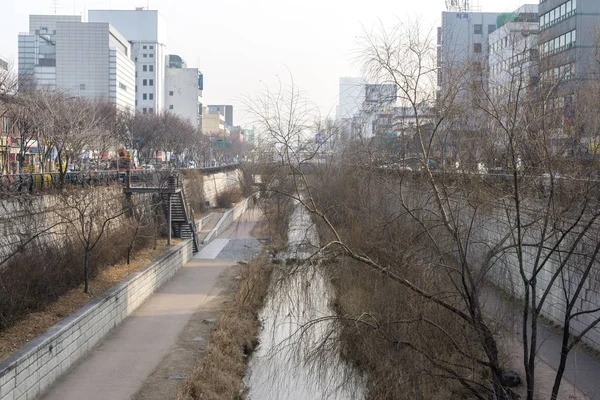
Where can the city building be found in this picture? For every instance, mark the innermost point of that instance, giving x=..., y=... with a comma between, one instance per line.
x=37, y=50
x=146, y=31
x=568, y=43
x=225, y=110
x=89, y=60
x=5, y=85
x=462, y=49
x=513, y=53
x=351, y=97
x=213, y=124
x=184, y=90
x=3, y=64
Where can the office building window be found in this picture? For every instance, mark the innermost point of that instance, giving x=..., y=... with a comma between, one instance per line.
x=145, y=82
x=145, y=55
x=151, y=110
x=151, y=68
x=170, y=93
x=491, y=28
x=144, y=96
x=144, y=110
x=144, y=47
x=82, y=86
x=170, y=106
x=151, y=47
x=478, y=29
x=476, y=47
x=151, y=55
x=144, y=68
x=151, y=96
x=151, y=83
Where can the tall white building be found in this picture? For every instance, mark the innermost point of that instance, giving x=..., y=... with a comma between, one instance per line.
x=184, y=91
x=351, y=97
x=513, y=53
x=146, y=31
x=463, y=47
x=89, y=60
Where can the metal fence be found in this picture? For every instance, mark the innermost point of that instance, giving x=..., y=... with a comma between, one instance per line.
x=38, y=182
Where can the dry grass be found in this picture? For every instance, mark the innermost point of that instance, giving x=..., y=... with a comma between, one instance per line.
x=398, y=339
x=219, y=374
x=37, y=323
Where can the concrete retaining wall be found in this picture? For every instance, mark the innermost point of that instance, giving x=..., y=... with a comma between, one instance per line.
x=214, y=184
x=26, y=373
x=227, y=219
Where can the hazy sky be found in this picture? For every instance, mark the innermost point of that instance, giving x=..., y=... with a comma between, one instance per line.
x=241, y=44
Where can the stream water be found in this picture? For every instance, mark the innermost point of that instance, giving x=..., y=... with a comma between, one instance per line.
x=297, y=358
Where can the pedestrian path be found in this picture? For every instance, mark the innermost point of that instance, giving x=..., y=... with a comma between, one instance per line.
x=118, y=366
x=581, y=379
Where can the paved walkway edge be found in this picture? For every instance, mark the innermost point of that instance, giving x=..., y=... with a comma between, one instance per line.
x=33, y=368
x=226, y=220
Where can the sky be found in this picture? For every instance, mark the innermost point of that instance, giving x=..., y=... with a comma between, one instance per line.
x=241, y=46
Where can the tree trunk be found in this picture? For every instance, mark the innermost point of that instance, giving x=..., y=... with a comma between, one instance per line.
x=85, y=271
x=564, y=352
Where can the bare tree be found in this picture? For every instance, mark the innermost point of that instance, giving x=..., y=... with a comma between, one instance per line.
x=89, y=214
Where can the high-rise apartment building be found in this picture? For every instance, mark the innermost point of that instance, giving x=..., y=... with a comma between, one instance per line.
x=184, y=91
x=89, y=60
x=146, y=31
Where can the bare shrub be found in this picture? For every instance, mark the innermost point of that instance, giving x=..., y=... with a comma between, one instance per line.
x=31, y=280
x=228, y=197
x=408, y=348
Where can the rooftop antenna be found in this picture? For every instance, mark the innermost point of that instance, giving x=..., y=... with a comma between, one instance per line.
x=458, y=5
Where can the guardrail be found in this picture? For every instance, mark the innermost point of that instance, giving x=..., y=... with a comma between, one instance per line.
x=38, y=182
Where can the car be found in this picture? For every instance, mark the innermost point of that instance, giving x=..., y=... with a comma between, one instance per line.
x=148, y=167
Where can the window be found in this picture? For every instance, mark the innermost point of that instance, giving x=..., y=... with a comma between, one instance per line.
x=151, y=55
x=144, y=96
x=151, y=47
x=151, y=68
x=145, y=55
x=151, y=83
x=144, y=47
x=151, y=110
x=136, y=103
x=144, y=68
x=145, y=82
x=478, y=29
x=82, y=86
x=145, y=110
x=151, y=96
x=122, y=86
x=491, y=28
x=170, y=106
x=170, y=93
x=477, y=47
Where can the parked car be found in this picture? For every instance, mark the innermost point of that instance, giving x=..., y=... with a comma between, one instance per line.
x=148, y=167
